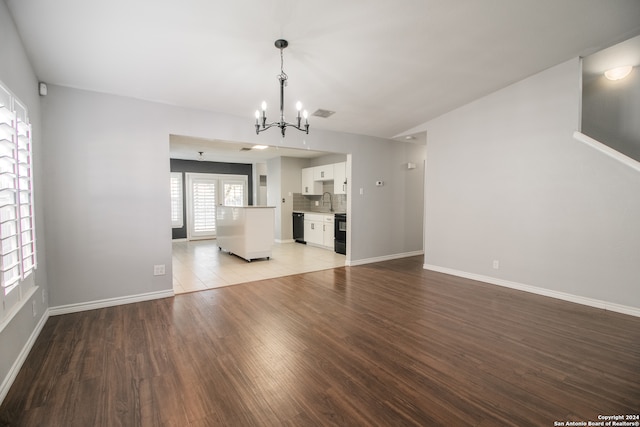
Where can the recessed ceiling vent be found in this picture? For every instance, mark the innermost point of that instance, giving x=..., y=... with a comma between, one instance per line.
x=323, y=113
x=245, y=149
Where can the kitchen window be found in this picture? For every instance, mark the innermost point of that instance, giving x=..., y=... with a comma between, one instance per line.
x=17, y=224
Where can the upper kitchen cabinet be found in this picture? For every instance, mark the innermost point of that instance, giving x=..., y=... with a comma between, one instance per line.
x=340, y=178
x=323, y=173
x=310, y=186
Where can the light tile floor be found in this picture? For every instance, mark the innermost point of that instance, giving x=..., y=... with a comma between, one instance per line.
x=199, y=265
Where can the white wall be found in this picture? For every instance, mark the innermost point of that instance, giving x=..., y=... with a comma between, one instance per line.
x=274, y=191
x=16, y=73
x=391, y=215
x=610, y=111
x=107, y=166
x=291, y=182
x=259, y=196
x=506, y=181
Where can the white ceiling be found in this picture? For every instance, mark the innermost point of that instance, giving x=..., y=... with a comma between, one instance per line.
x=188, y=148
x=384, y=66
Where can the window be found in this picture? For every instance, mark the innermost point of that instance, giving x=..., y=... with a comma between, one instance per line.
x=17, y=232
x=234, y=193
x=176, y=200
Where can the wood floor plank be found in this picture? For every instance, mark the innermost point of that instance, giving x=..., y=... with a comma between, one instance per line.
x=381, y=344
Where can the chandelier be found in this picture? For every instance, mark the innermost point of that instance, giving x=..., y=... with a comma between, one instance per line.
x=261, y=119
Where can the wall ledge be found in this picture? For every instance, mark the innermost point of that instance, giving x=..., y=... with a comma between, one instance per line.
x=17, y=365
x=109, y=302
x=605, y=305
x=17, y=307
x=605, y=149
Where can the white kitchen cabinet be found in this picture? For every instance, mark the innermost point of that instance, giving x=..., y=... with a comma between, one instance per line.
x=313, y=233
x=323, y=173
x=328, y=231
x=309, y=185
x=340, y=178
x=318, y=230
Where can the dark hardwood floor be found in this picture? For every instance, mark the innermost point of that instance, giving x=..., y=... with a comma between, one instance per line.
x=375, y=345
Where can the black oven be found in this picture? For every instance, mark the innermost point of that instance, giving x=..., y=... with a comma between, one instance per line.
x=340, y=233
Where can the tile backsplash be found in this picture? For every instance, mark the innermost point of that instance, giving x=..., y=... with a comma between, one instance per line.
x=307, y=203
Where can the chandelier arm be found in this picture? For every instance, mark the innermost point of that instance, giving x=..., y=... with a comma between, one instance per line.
x=282, y=125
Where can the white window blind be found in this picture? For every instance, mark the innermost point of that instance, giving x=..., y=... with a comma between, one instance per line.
x=17, y=232
x=204, y=206
x=177, y=220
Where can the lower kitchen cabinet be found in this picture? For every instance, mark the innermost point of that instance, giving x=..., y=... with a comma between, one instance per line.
x=328, y=231
x=313, y=232
x=247, y=232
x=318, y=230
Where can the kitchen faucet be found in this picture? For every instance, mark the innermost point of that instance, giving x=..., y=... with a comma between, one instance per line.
x=330, y=200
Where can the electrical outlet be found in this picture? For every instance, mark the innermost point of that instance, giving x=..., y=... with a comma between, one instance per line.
x=158, y=270
x=317, y=203
x=496, y=264
x=33, y=306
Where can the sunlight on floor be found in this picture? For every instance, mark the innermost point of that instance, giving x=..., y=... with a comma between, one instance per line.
x=199, y=265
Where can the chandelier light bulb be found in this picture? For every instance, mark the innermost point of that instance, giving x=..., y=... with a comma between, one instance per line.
x=618, y=73
x=264, y=105
x=257, y=114
x=298, y=105
x=305, y=114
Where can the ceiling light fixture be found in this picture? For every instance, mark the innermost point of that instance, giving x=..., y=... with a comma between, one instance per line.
x=200, y=156
x=618, y=72
x=260, y=147
x=281, y=44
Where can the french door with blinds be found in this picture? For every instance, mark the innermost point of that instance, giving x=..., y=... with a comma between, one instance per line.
x=205, y=192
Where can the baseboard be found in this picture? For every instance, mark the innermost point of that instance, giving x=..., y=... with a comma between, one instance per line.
x=285, y=241
x=591, y=302
x=383, y=258
x=17, y=365
x=109, y=302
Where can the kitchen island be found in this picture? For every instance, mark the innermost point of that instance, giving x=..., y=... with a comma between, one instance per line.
x=246, y=231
